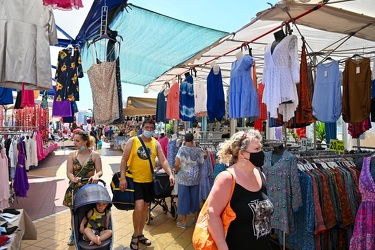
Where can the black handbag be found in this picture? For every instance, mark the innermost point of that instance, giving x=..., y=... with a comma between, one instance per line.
x=123, y=200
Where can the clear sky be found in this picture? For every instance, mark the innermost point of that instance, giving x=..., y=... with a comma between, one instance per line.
x=222, y=15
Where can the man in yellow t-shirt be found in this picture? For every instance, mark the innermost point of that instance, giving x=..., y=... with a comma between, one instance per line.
x=135, y=157
x=134, y=131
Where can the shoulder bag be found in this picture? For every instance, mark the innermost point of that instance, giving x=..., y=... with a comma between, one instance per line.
x=202, y=239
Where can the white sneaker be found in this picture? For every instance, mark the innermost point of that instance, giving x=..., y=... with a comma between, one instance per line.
x=180, y=225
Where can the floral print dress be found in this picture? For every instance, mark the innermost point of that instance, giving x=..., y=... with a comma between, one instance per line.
x=85, y=171
x=364, y=228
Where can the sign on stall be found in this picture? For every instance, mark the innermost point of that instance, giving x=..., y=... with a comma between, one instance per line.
x=337, y=146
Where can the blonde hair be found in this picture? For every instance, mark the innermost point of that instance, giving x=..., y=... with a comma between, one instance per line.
x=229, y=149
x=90, y=140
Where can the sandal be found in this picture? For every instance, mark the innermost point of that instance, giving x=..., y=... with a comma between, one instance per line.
x=144, y=240
x=134, y=243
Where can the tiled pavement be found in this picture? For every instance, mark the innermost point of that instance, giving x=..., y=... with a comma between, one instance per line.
x=48, y=183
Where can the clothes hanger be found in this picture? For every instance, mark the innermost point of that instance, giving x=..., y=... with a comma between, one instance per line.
x=103, y=36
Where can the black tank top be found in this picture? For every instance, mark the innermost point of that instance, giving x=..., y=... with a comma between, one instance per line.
x=253, y=219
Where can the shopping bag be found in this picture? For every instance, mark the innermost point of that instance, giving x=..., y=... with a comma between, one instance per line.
x=202, y=238
x=123, y=200
x=175, y=187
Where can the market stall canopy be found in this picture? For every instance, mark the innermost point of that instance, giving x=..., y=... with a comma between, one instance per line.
x=152, y=43
x=337, y=29
x=141, y=105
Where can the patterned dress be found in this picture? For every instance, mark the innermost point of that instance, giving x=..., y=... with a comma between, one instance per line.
x=85, y=171
x=283, y=189
x=364, y=228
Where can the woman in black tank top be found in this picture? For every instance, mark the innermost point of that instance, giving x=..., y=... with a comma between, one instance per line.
x=251, y=227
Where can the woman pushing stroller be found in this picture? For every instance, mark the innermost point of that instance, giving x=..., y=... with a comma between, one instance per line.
x=82, y=163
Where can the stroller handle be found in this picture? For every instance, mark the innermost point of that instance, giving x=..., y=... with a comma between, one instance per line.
x=100, y=180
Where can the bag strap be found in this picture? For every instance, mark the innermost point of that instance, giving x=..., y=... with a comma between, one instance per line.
x=233, y=184
x=148, y=156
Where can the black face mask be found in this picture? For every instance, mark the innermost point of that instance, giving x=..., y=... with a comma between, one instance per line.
x=257, y=159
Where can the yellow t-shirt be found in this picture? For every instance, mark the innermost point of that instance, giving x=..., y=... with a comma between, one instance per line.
x=138, y=162
x=133, y=133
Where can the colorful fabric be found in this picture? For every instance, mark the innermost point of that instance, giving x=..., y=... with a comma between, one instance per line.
x=187, y=104
x=283, y=188
x=364, y=228
x=304, y=219
x=64, y=4
x=68, y=70
x=188, y=172
x=172, y=152
x=173, y=102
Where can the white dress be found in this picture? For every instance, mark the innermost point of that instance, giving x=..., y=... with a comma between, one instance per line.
x=280, y=76
x=27, y=29
x=200, y=95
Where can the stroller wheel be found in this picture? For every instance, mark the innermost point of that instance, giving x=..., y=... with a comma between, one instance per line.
x=148, y=219
x=174, y=211
x=165, y=206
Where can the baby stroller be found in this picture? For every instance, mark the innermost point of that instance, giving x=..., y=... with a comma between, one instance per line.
x=162, y=189
x=85, y=200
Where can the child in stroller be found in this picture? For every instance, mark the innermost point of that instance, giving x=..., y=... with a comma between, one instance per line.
x=95, y=226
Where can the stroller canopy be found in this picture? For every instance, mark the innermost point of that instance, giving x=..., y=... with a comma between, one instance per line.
x=91, y=194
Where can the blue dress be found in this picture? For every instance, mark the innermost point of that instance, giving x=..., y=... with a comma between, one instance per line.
x=161, y=107
x=243, y=97
x=206, y=179
x=187, y=103
x=327, y=98
x=215, y=96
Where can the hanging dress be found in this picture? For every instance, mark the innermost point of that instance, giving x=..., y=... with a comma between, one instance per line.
x=215, y=96
x=102, y=77
x=68, y=70
x=173, y=102
x=364, y=228
x=187, y=104
x=280, y=76
x=243, y=97
x=161, y=106
x=21, y=183
x=327, y=99
x=356, y=99
x=4, y=183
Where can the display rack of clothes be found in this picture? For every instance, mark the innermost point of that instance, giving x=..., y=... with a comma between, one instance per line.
x=4, y=178
x=329, y=201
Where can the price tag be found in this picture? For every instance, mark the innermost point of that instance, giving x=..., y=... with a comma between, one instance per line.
x=306, y=143
x=337, y=146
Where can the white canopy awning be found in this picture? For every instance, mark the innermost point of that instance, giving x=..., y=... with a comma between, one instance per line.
x=335, y=28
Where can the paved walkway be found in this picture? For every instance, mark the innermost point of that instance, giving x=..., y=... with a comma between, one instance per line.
x=48, y=183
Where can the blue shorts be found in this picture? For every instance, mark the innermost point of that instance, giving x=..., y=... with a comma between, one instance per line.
x=144, y=191
x=188, y=199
